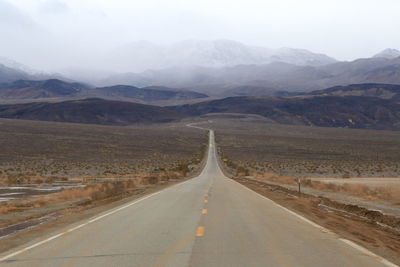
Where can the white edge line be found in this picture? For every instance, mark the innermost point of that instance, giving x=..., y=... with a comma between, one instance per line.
x=86, y=223
x=327, y=231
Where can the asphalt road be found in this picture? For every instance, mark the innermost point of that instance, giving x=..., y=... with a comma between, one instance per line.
x=209, y=220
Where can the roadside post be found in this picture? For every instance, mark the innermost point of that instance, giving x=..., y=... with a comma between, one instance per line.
x=299, y=184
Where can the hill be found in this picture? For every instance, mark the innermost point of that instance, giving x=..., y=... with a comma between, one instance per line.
x=147, y=94
x=384, y=91
x=328, y=111
x=358, y=106
x=255, y=91
x=90, y=111
x=28, y=89
x=62, y=90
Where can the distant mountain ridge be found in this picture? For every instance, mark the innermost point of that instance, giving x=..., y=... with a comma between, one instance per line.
x=384, y=91
x=54, y=88
x=8, y=74
x=147, y=94
x=351, y=111
x=28, y=89
x=280, y=76
x=17, y=66
x=388, y=53
x=224, y=68
x=90, y=111
x=141, y=56
x=325, y=111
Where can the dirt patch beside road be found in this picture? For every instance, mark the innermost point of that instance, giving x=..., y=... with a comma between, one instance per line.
x=371, y=229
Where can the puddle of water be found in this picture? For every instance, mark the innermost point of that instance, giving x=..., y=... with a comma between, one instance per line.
x=14, y=187
x=23, y=191
x=10, y=194
x=3, y=199
x=10, y=230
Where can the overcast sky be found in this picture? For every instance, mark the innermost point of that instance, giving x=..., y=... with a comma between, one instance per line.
x=50, y=34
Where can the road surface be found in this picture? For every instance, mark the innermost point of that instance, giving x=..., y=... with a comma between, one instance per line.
x=209, y=220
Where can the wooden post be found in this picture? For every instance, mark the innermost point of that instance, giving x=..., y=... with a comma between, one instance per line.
x=299, y=183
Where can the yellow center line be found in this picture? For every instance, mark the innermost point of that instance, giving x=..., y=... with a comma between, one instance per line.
x=200, y=231
x=204, y=211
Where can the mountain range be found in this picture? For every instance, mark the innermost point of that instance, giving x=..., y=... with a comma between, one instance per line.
x=197, y=78
x=325, y=111
x=371, y=106
x=143, y=55
x=278, y=76
x=223, y=68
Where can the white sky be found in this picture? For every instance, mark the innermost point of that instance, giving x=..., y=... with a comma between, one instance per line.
x=55, y=33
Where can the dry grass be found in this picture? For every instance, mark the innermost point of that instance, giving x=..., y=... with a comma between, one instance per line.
x=44, y=152
x=89, y=193
x=387, y=193
x=308, y=151
x=275, y=178
x=112, y=162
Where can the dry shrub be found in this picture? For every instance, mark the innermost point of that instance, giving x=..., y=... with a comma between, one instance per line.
x=91, y=192
x=391, y=193
x=276, y=179
x=388, y=193
x=6, y=209
x=356, y=189
x=150, y=180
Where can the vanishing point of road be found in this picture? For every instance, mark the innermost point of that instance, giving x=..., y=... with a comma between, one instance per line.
x=209, y=220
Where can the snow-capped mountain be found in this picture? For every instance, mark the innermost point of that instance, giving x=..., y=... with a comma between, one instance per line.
x=9, y=63
x=388, y=53
x=143, y=55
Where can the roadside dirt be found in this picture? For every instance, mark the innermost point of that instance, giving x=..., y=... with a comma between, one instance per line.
x=370, y=229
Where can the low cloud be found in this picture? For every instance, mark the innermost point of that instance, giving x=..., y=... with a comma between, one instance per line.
x=10, y=15
x=53, y=7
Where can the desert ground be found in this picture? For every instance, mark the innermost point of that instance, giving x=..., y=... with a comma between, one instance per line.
x=360, y=167
x=43, y=152
x=48, y=169
x=263, y=147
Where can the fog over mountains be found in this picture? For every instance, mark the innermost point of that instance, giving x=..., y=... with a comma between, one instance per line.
x=276, y=76
x=196, y=78
x=141, y=56
x=388, y=53
x=220, y=68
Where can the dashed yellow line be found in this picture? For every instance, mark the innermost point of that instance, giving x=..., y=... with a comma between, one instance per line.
x=200, y=231
x=204, y=211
